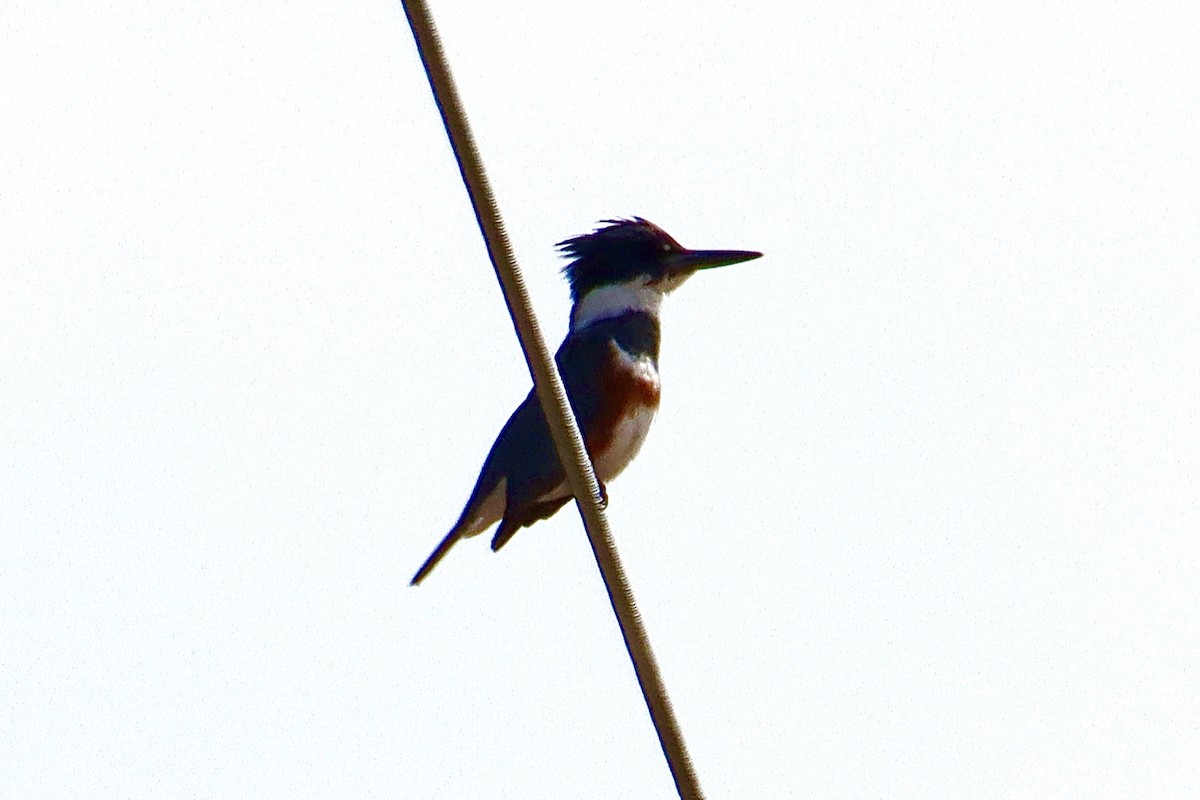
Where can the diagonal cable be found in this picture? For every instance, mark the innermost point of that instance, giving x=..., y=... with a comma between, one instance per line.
x=553, y=398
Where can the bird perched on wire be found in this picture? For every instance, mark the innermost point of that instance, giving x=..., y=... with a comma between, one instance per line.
x=619, y=275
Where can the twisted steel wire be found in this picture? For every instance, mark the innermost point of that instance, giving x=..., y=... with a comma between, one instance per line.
x=563, y=429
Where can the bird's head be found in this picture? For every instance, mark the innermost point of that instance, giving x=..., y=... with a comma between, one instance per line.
x=629, y=264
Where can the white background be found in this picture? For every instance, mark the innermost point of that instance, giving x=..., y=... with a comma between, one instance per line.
x=919, y=515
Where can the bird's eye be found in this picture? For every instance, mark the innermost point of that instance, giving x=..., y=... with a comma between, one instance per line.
x=666, y=248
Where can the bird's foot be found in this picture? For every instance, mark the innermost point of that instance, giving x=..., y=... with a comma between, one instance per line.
x=603, y=495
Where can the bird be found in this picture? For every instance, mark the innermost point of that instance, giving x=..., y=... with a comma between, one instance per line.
x=618, y=276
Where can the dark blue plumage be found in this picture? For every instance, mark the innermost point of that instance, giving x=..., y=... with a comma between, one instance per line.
x=614, y=253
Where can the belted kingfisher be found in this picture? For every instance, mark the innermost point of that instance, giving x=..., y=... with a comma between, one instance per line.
x=619, y=275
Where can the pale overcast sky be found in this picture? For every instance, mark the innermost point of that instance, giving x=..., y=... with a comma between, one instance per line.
x=920, y=513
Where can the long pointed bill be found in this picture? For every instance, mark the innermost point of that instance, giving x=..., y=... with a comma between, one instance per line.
x=692, y=260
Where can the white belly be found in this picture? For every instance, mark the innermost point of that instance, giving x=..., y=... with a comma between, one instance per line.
x=627, y=440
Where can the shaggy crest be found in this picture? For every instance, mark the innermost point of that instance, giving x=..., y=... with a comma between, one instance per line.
x=622, y=250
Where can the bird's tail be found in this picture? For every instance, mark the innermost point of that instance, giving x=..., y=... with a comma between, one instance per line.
x=437, y=555
x=483, y=509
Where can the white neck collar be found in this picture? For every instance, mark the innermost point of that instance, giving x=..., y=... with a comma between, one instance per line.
x=606, y=302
